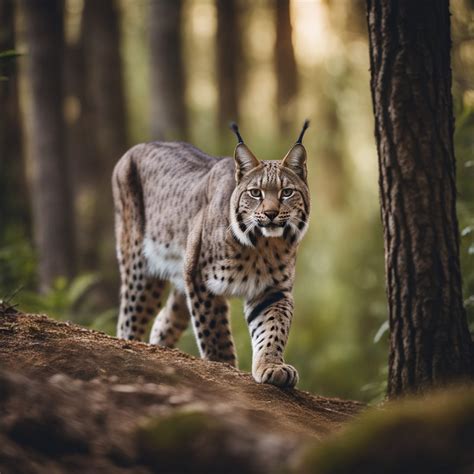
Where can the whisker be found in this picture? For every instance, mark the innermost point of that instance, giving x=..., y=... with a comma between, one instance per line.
x=295, y=217
x=249, y=228
x=245, y=222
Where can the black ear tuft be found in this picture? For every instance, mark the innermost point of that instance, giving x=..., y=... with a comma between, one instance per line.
x=234, y=127
x=244, y=158
x=295, y=159
x=305, y=127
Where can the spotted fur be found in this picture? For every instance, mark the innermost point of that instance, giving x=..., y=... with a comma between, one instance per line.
x=196, y=221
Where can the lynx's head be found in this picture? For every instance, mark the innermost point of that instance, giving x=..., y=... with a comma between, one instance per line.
x=271, y=198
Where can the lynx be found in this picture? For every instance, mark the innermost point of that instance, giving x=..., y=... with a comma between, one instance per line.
x=212, y=228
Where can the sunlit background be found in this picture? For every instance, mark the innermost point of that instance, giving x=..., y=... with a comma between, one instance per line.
x=338, y=338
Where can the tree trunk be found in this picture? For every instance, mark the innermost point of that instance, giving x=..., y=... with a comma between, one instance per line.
x=78, y=148
x=168, y=105
x=14, y=205
x=285, y=66
x=51, y=200
x=228, y=49
x=104, y=121
x=411, y=89
x=101, y=36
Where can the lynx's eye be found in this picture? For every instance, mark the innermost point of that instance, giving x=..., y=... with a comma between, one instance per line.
x=287, y=192
x=255, y=193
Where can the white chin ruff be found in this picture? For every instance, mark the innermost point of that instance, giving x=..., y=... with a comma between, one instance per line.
x=239, y=235
x=275, y=232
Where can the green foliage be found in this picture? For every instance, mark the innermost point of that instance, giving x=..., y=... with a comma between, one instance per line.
x=71, y=300
x=5, y=58
x=79, y=300
x=17, y=265
x=62, y=300
x=9, y=54
x=464, y=144
x=105, y=321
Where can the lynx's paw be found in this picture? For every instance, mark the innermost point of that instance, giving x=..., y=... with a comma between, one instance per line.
x=281, y=375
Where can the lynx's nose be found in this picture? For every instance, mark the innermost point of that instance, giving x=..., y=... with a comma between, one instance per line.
x=271, y=214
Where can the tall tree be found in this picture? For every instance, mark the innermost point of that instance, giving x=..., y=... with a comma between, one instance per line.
x=168, y=105
x=14, y=206
x=50, y=192
x=105, y=90
x=104, y=120
x=411, y=89
x=81, y=161
x=228, y=50
x=285, y=65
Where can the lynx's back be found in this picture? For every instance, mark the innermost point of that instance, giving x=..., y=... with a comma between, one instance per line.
x=159, y=188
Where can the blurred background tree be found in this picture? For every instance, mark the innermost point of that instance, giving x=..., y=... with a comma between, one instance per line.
x=51, y=196
x=140, y=70
x=285, y=66
x=14, y=210
x=104, y=117
x=168, y=79
x=229, y=62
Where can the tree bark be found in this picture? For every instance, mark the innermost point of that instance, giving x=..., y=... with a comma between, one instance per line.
x=228, y=50
x=105, y=90
x=14, y=205
x=105, y=122
x=78, y=148
x=168, y=105
x=50, y=192
x=285, y=66
x=411, y=89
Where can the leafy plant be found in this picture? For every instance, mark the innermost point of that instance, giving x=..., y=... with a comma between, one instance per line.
x=5, y=58
x=17, y=266
x=63, y=300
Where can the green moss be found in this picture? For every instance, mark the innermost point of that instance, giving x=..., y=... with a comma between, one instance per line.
x=433, y=434
x=186, y=441
x=193, y=441
x=174, y=432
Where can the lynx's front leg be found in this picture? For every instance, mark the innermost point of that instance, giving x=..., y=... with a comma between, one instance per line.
x=269, y=319
x=209, y=312
x=210, y=317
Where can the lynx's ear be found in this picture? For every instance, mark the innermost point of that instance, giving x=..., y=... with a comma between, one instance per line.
x=244, y=159
x=295, y=159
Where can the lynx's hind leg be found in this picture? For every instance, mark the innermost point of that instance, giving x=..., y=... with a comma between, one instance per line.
x=140, y=293
x=140, y=298
x=172, y=320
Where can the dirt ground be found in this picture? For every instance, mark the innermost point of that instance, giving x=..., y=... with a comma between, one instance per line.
x=75, y=400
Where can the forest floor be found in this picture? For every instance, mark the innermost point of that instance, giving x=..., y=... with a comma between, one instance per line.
x=76, y=400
